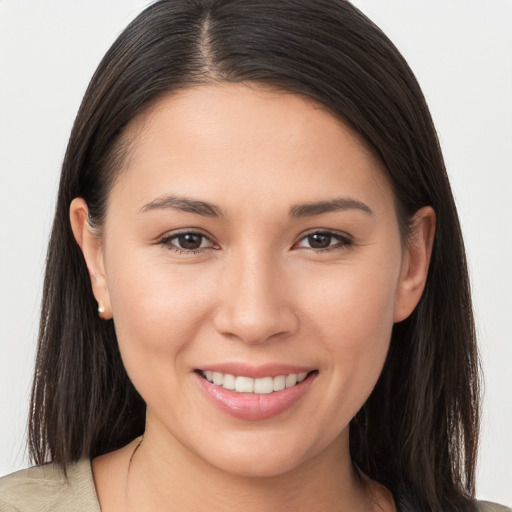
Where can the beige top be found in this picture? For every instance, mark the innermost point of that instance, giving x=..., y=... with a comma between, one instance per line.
x=45, y=489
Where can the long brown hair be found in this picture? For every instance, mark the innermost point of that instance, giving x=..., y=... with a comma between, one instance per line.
x=417, y=432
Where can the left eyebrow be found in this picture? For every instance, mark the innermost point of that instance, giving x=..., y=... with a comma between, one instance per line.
x=342, y=203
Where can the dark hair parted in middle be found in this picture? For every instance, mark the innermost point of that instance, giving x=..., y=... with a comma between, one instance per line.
x=417, y=432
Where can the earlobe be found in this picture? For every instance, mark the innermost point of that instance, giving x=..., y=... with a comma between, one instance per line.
x=90, y=244
x=416, y=261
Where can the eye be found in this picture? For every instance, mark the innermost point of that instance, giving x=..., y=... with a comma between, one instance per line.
x=324, y=240
x=188, y=241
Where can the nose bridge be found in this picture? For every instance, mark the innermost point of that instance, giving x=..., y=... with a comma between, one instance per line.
x=254, y=305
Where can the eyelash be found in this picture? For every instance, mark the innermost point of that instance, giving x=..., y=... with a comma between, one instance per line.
x=343, y=241
x=167, y=242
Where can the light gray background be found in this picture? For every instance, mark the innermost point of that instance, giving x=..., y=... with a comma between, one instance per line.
x=461, y=52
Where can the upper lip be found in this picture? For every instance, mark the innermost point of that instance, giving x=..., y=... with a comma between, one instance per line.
x=256, y=372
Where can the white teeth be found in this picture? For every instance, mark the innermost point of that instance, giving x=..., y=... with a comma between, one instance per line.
x=261, y=386
x=279, y=383
x=229, y=381
x=264, y=386
x=291, y=380
x=244, y=385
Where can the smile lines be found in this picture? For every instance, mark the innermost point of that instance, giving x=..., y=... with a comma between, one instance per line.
x=261, y=386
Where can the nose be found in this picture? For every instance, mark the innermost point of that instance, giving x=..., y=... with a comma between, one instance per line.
x=254, y=306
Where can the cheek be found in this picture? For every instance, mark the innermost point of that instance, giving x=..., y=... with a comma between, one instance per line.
x=354, y=303
x=158, y=310
x=351, y=316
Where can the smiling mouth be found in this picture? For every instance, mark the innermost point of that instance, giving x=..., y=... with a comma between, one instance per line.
x=260, y=386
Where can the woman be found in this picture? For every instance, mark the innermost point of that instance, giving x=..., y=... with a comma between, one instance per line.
x=256, y=293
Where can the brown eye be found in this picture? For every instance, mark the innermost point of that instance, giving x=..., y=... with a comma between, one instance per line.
x=319, y=240
x=324, y=241
x=190, y=241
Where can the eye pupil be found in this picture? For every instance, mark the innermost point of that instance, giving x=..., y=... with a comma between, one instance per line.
x=320, y=240
x=190, y=241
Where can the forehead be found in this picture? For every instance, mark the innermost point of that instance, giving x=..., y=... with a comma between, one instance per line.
x=241, y=143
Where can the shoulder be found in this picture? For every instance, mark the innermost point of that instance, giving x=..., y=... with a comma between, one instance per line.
x=46, y=488
x=487, y=506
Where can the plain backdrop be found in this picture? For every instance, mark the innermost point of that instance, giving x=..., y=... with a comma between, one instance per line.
x=461, y=52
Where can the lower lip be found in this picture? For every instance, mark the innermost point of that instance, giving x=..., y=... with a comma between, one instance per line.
x=250, y=406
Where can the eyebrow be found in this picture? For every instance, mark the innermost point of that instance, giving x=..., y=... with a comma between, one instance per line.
x=342, y=203
x=183, y=204
x=210, y=210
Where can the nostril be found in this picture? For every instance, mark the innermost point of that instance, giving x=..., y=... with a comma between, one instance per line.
x=256, y=323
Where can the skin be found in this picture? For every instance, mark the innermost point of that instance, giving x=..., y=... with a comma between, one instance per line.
x=256, y=292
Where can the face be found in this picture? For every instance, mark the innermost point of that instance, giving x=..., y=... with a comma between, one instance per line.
x=251, y=240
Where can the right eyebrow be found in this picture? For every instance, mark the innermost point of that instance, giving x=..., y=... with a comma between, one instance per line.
x=183, y=204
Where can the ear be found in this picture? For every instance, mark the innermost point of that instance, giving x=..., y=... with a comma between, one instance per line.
x=415, y=264
x=91, y=246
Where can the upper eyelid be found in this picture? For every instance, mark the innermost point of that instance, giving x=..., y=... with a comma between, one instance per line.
x=167, y=239
x=345, y=239
x=333, y=232
x=198, y=231
x=185, y=231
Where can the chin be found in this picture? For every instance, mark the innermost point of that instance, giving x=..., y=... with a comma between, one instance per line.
x=262, y=456
x=261, y=465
